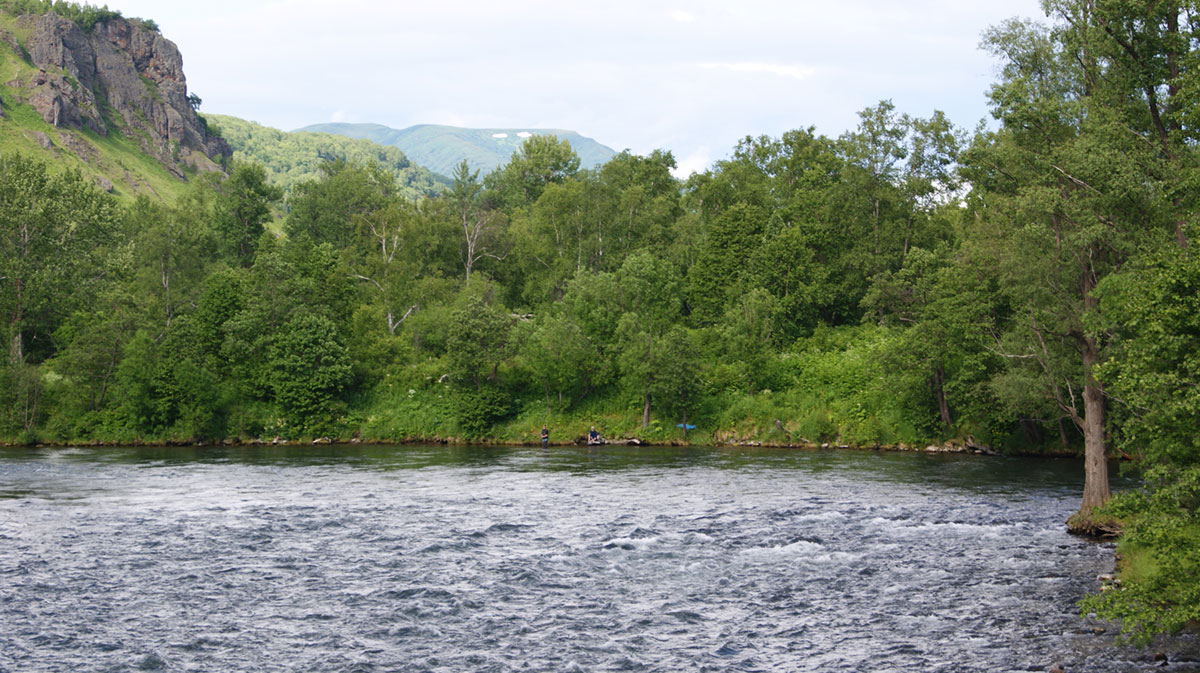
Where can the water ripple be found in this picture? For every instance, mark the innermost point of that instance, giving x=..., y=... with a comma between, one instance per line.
x=527, y=561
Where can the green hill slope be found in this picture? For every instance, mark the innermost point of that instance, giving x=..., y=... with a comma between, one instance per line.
x=292, y=158
x=441, y=148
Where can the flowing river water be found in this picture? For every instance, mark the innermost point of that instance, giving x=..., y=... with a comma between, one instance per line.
x=356, y=558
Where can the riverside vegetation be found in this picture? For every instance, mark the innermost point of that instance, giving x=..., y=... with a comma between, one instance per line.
x=1030, y=286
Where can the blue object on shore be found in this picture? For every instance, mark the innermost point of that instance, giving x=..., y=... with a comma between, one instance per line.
x=689, y=427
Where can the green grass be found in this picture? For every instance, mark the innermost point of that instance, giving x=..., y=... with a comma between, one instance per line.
x=21, y=29
x=1139, y=563
x=116, y=156
x=1135, y=563
x=151, y=87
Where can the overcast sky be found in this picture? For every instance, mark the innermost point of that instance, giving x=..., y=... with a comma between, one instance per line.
x=689, y=77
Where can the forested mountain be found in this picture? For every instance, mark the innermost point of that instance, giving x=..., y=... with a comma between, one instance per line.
x=440, y=148
x=87, y=89
x=1030, y=287
x=294, y=158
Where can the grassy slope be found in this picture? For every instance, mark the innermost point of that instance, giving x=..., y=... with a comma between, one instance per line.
x=441, y=148
x=292, y=158
x=118, y=158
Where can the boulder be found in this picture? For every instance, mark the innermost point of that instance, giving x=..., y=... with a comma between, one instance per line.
x=79, y=146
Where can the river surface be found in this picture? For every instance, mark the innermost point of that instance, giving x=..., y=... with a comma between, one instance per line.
x=484, y=559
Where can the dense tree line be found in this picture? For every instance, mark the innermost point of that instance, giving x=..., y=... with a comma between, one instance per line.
x=1031, y=286
x=84, y=15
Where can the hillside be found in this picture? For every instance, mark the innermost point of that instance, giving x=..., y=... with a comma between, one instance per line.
x=84, y=88
x=292, y=158
x=441, y=148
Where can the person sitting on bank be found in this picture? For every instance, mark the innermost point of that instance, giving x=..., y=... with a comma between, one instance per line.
x=593, y=436
x=545, y=437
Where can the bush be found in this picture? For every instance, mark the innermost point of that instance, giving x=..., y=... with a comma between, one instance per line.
x=309, y=367
x=478, y=409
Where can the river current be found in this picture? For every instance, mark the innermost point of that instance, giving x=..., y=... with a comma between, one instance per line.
x=483, y=559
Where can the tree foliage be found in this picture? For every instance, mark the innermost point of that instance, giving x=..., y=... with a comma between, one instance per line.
x=82, y=14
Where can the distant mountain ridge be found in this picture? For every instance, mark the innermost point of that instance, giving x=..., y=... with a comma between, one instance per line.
x=440, y=148
x=294, y=158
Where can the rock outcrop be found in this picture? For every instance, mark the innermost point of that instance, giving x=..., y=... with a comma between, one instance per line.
x=120, y=76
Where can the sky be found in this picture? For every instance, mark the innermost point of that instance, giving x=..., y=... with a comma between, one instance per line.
x=690, y=77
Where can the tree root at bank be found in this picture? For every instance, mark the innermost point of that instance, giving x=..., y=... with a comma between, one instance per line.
x=1091, y=523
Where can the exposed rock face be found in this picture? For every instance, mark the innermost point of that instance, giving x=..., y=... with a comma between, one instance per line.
x=63, y=103
x=64, y=90
x=10, y=40
x=132, y=71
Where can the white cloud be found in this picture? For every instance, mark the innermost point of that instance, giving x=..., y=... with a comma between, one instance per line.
x=794, y=71
x=696, y=162
x=683, y=17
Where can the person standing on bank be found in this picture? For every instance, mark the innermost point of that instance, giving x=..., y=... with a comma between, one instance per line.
x=545, y=437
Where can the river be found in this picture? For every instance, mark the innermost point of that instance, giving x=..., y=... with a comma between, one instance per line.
x=370, y=558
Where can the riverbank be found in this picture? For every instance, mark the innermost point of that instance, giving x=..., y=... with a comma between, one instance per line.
x=422, y=408
x=949, y=447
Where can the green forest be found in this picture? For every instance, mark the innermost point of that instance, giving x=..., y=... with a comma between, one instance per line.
x=1028, y=286
x=293, y=158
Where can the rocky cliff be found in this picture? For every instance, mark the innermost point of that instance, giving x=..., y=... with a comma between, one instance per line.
x=120, y=76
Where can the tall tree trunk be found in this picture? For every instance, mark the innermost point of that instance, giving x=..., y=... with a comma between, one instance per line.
x=1095, y=485
x=1033, y=434
x=16, y=350
x=646, y=412
x=876, y=213
x=1096, y=490
x=939, y=386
